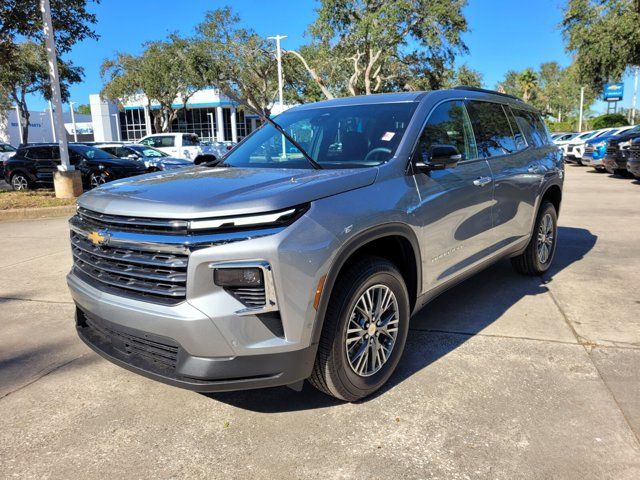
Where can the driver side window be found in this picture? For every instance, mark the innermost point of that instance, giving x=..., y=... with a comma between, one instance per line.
x=449, y=124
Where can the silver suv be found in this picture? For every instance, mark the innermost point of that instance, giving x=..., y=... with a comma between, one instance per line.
x=304, y=253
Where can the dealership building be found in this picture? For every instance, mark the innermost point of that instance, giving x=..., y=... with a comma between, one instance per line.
x=208, y=114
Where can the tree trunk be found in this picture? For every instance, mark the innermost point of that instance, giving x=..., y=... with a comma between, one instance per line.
x=312, y=72
x=23, y=114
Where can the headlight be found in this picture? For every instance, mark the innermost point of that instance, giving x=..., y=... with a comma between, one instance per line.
x=626, y=144
x=601, y=144
x=238, y=277
x=258, y=220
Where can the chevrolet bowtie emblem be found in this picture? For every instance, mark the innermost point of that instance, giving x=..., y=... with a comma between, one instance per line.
x=97, y=238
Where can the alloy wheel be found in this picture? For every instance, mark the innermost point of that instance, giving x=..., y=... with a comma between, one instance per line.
x=545, y=239
x=97, y=180
x=372, y=330
x=19, y=182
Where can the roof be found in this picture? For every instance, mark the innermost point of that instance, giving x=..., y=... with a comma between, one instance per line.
x=378, y=98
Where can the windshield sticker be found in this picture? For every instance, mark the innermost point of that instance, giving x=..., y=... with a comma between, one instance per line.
x=387, y=136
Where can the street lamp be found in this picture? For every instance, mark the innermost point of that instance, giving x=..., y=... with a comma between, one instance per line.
x=73, y=122
x=277, y=38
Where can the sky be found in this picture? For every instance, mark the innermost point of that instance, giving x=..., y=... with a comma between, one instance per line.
x=503, y=34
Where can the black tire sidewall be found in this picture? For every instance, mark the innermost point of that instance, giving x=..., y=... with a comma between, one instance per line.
x=362, y=386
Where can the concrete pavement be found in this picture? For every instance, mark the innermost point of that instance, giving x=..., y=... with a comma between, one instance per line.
x=503, y=377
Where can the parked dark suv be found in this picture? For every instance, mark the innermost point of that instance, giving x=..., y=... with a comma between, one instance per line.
x=633, y=163
x=34, y=165
x=615, y=160
x=304, y=253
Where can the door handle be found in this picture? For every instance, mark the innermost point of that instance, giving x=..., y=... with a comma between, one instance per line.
x=482, y=181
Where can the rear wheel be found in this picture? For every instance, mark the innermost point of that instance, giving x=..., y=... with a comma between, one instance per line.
x=621, y=172
x=19, y=182
x=538, y=256
x=364, y=332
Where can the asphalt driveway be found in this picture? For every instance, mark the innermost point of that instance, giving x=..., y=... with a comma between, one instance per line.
x=503, y=377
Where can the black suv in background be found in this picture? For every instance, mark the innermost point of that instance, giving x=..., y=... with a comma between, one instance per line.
x=633, y=164
x=615, y=160
x=33, y=166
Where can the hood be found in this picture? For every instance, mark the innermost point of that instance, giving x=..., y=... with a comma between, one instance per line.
x=623, y=137
x=207, y=192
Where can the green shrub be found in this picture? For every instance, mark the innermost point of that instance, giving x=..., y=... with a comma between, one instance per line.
x=608, y=121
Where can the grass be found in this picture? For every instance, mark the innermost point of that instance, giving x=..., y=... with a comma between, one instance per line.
x=32, y=199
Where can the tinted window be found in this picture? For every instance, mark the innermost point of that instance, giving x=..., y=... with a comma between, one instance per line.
x=521, y=140
x=7, y=148
x=39, y=153
x=189, y=140
x=449, y=124
x=91, y=153
x=168, y=141
x=491, y=127
x=532, y=127
x=111, y=150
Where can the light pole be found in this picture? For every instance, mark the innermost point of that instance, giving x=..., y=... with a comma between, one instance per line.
x=117, y=117
x=59, y=133
x=581, y=107
x=213, y=135
x=53, y=123
x=277, y=38
x=73, y=122
x=19, y=124
x=635, y=95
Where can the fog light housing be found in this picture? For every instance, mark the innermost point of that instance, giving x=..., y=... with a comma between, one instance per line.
x=238, y=277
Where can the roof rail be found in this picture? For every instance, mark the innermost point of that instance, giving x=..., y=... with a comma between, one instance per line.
x=484, y=90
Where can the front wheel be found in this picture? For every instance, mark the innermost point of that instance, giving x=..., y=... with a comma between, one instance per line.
x=19, y=182
x=364, y=331
x=538, y=256
x=97, y=178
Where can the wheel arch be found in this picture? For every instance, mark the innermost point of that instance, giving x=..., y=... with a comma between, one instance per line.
x=376, y=242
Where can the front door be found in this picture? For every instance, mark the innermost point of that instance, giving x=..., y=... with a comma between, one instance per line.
x=455, y=203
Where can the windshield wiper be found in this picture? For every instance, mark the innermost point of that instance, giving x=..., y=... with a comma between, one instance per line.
x=269, y=120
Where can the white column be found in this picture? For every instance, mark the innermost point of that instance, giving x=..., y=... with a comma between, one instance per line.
x=147, y=120
x=581, y=108
x=220, y=120
x=234, y=126
x=635, y=96
x=253, y=124
x=19, y=124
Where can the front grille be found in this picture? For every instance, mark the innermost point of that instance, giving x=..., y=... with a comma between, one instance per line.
x=152, y=276
x=122, y=223
x=250, y=297
x=159, y=353
x=588, y=150
x=634, y=152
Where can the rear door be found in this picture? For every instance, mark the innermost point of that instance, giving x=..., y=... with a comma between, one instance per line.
x=45, y=160
x=455, y=203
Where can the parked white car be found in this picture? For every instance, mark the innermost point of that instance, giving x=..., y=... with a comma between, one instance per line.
x=574, y=150
x=186, y=145
x=6, y=152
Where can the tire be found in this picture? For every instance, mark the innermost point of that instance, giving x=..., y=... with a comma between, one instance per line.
x=20, y=182
x=620, y=172
x=532, y=261
x=341, y=373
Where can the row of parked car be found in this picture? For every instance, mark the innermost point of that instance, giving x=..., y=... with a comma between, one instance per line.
x=33, y=165
x=615, y=150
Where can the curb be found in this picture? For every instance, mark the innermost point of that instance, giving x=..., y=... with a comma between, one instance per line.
x=35, y=213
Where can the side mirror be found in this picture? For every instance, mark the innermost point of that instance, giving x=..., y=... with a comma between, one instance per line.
x=132, y=156
x=440, y=157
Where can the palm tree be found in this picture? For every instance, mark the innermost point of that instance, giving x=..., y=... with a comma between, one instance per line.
x=528, y=81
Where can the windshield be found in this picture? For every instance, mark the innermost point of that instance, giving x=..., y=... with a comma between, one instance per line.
x=147, y=151
x=91, y=153
x=354, y=136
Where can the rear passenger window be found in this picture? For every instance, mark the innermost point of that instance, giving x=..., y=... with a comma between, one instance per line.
x=449, y=124
x=491, y=127
x=164, y=141
x=39, y=153
x=532, y=126
x=518, y=133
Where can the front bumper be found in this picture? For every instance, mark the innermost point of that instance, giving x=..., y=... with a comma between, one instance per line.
x=163, y=359
x=633, y=167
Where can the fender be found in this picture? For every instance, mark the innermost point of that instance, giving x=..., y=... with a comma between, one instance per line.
x=354, y=243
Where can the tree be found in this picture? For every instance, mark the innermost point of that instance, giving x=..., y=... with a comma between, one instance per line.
x=235, y=59
x=383, y=45
x=29, y=74
x=510, y=85
x=528, y=82
x=21, y=36
x=83, y=109
x=466, y=76
x=161, y=73
x=604, y=36
x=609, y=120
